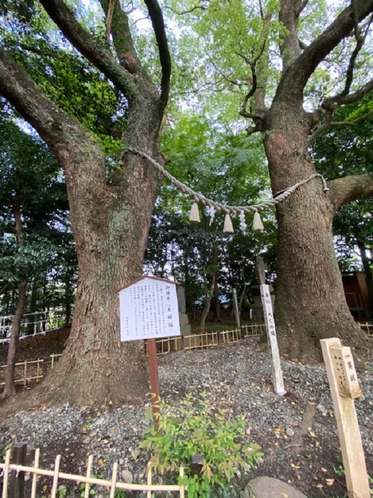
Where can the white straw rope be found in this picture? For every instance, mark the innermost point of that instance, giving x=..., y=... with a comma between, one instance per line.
x=280, y=196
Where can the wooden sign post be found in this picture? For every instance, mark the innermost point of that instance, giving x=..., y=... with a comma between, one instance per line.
x=278, y=381
x=265, y=294
x=149, y=310
x=344, y=388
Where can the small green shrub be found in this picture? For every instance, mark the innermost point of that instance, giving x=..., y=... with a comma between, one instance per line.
x=198, y=428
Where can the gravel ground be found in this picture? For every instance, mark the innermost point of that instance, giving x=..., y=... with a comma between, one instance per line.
x=297, y=431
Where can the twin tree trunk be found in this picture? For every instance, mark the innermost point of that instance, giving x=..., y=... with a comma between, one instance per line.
x=310, y=300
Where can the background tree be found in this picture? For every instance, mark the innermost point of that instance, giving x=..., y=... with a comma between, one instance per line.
x=111, y=193
x=32, y=201
x=347, y=150
x=288, y=66
x=230, y=168
x=48, y=259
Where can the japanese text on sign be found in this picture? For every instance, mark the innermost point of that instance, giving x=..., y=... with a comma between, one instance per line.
x=148, y=309
x=345, y=372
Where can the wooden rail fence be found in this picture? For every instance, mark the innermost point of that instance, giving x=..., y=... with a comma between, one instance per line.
x=30, y=370
x=14, y=469
x=35, y=370
x=367, y=327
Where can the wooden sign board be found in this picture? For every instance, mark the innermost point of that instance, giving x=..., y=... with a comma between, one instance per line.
x=342, y=379
x=278, y=381
x=344, y=368
x=148, y=309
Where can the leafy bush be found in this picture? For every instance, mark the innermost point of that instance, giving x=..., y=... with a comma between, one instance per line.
x=198, y=428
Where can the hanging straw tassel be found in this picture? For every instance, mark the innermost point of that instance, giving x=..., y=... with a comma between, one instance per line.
x=228, y=227
x=194, y=213
x=257, y=222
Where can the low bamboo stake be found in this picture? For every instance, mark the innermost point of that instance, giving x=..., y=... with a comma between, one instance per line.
x=6, y=473
x=89, y=470
x=114, y=480
x=55, y=476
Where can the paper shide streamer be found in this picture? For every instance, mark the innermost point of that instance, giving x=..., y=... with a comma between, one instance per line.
x=213, y=207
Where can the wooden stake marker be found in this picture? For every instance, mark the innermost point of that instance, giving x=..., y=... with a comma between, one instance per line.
x=278, y=381
x=265, y=294
x=344, y=387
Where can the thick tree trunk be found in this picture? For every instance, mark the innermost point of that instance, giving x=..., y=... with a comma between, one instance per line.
x=110, y=240
x=310, y=301
x=110, y=219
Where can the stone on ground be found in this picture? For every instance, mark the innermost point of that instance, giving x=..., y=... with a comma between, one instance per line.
x=268, y=487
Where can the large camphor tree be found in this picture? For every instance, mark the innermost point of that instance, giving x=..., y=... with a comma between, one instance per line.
x=310, y=296
x=110, y=197
x=292, y=63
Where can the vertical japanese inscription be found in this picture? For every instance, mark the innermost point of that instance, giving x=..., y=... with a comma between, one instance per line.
x=148, y=309
x=344, y=368
x=278, y=381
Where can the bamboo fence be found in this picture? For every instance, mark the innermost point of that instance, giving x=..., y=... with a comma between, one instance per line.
x=34, y=370
x=367, y=327
x=30, y=370
x=14, y=471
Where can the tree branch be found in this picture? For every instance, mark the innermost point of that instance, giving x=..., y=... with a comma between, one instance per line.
x=299, y=71
x=289, y=17
x=257, y=117
x=332, y=103
x=120, y=31
x=188, y=11
x=336, y=124
x=97, y=53
x=302, y=6
x=156, y=17
x=349, y=188
x=57, y=128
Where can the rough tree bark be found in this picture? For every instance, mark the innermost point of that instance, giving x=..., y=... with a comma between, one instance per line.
x=110, y=220
x=310, y=302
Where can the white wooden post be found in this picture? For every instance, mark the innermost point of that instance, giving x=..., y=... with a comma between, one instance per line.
x=278, y=381
x=344, y=387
